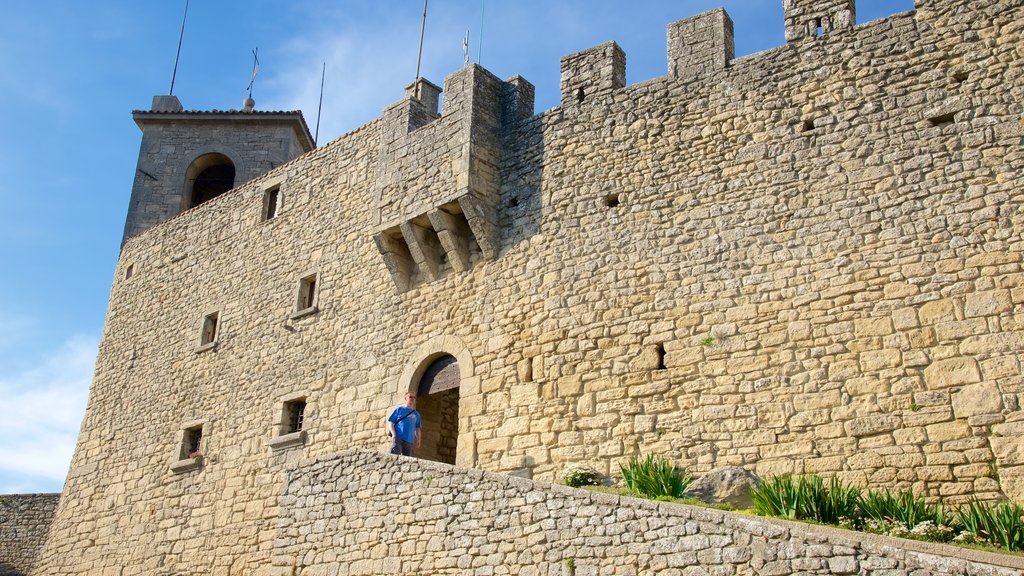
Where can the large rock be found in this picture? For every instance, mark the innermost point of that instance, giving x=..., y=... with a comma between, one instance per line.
x=730, y=485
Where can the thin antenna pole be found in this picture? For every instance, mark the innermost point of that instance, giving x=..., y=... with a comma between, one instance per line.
x=423, y=26
x=323, y=74
x=178, y=55
x=480, y=42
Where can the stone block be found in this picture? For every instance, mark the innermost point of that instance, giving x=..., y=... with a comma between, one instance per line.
x=946, y=431
x=864, y=327
x=871, y=425
x=951, y=372
x=988, y=303
x=977, y=399
x=938, y=311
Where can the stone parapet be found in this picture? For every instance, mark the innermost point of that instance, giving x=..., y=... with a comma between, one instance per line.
x=25, y=520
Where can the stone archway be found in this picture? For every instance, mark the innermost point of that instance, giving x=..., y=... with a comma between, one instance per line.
x=207, y=177
x=438, y=403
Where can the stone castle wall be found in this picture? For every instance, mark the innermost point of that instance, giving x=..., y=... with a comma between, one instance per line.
x=24, y=522
x=362, y=513
x=806, y=261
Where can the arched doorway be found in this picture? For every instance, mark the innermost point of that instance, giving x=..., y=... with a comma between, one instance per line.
x=207, y=177
x=437, y=399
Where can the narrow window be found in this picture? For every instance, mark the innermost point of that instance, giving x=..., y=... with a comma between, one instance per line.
x=580, y=94
x=128, y=271
x=816, y=24
x=942, y=119
x=296, y=412
x=661, y=356
x=307, y=292
x=209, y=335
x=271, y=202
x=193, y=444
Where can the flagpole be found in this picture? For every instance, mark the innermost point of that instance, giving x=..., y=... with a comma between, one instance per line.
x=423, y=26
x=178, y=54
x=480, y=41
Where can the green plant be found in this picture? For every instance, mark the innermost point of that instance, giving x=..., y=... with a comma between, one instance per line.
x=807, y=498
x=708, y=341
x=570, y=563
x=1002, y=525
x=901, y=508
x=915, y=407
x=428, y=479
x=576, y=476
x=655, y=476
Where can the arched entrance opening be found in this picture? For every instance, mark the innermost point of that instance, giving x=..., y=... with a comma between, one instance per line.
x=437, y=399
x=207, y=177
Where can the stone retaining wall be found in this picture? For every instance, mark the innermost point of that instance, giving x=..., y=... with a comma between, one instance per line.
x=366, y=513
x=24, y=522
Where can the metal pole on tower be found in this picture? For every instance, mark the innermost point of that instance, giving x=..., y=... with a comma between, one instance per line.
x=181, y=37
x=423, y=26
x=320, y=107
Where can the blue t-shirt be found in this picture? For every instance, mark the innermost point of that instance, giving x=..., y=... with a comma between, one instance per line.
x=406, y=429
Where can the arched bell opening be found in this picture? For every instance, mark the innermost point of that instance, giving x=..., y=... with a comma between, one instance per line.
x=209, y=176
x=437, y=400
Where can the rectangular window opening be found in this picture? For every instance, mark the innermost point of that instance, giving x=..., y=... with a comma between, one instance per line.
x=307, y=293
x=296, y=414
x=128, y=271
x=942, y=120
x=271, y=203
x=209, y=335
x=661, y=357
x=193, y=441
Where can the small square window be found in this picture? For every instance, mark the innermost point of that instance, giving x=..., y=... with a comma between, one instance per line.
x=271, y=203
x=290, y=429
x=208, y=335
x=190, y=448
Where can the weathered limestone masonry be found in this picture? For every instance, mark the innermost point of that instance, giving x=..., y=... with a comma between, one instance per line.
x=805, y=260
x=176, y=145
x=24, y=520
x=363, y=513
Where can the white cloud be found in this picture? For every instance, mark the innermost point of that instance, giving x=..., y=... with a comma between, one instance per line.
x=44, y=406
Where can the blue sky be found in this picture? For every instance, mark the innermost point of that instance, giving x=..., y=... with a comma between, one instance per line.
x=71, y=72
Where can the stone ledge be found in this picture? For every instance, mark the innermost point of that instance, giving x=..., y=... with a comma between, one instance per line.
x=288, y=440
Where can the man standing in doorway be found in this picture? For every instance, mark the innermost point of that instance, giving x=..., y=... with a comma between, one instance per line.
x=404, y=427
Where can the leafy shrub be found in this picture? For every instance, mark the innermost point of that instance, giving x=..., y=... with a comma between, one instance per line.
x=807, y=498
x=655, y=476
x=577, y=476
x=1002, y=524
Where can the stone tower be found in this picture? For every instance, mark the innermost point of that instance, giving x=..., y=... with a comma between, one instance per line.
x=190, y=157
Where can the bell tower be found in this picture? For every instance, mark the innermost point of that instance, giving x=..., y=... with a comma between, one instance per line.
x=190, y=157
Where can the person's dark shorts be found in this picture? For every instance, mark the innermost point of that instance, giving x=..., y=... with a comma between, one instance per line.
x=399, y=446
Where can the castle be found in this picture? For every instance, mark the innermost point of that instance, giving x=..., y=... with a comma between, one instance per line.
x=806, y=260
